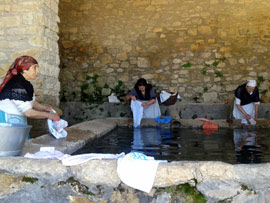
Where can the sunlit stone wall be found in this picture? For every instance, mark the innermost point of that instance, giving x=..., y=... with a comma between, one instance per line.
x=201, y=49
x=30, y=27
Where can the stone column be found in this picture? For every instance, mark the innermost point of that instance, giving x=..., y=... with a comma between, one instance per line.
x=30, y=28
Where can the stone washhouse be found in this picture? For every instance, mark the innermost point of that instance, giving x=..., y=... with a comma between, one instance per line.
x=89, y=49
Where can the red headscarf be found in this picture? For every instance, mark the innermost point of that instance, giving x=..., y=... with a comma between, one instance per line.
x=19, y=65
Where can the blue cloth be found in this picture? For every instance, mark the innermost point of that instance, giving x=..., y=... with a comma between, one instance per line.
x=165, y=119
x=12, y=119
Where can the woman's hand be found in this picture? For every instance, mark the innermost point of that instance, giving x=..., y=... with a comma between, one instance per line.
x=247, y=116
x=132, y=97
x=54, y=116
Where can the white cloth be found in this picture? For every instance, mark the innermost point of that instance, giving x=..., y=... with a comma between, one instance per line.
x=137, y=170
x=56, y=128
x=137, y=111
x=251, y=83
x=46, y=153
x=151, y=111
x=113, y=99
x=166, y=95
x=82, y=158
x=69, y=160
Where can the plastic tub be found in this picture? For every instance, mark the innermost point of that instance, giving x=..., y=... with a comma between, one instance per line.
x=13, y=137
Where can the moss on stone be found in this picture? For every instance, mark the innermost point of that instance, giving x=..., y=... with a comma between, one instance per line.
x=29, y=179
x=185, y=190
x=76, y=185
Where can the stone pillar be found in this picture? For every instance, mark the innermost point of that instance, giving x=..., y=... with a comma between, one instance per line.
x=30, y=28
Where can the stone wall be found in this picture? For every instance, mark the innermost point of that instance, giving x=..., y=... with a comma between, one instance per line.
x=202, y=49
x=29, y=27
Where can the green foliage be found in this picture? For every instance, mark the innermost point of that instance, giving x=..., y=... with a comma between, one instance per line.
x=187, y=65
x=214, y=64
x=92, y=92
x=205, y=89
x=219, y=74
x=122, y=114
x=260, y=80
x=29, y=179
x=204, y=70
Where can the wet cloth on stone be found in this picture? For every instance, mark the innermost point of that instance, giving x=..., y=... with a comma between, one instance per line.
x=69, y=160
x=138, y=170
x=56, y=128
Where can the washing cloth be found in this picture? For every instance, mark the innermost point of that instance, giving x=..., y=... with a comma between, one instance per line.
x=166, y=95
x=137, y=170
x=46, y=153
x=165, y=119
x=82, y=158
x=113, y=99
x=56, y=128
x=137, y=111
x=69, y=160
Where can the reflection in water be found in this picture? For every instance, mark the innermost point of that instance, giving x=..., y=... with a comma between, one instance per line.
x=227, y=145
x=153, y=141
x=246, y=146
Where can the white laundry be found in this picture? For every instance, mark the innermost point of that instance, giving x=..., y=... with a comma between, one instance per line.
x=113, y=99
x=46, y=153
x=137, y=111
x=82, y=158
x=69, y=160
x=166, y=95
x=137, y=170
x=56, y=128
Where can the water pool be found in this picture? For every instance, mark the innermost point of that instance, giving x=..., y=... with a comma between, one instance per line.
x=227, y=145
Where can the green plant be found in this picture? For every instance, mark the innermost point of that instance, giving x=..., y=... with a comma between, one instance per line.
x=29, y=179
x=187, y=65
x=219, y=74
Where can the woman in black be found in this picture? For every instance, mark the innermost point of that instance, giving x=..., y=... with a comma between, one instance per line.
x=246, y=103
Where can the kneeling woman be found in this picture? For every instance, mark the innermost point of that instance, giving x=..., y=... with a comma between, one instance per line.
x=147, y=106
x=17, y=99
x=246, y=103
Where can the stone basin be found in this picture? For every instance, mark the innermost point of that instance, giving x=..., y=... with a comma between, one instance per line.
x=50, y=181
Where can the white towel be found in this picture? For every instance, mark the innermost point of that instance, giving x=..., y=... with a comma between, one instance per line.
x=46, y=153
x=69, y=160
x=137, y=170
x=113, y=99
x=137, y=111
x=82, y=158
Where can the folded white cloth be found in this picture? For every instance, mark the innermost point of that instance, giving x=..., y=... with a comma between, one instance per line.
x=137, y=111
x=137, y=170
x=113, y=99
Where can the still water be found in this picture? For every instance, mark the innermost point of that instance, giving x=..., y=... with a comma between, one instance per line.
x=227, y=145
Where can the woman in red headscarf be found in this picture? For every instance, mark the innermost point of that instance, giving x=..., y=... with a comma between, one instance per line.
x=17, y=99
